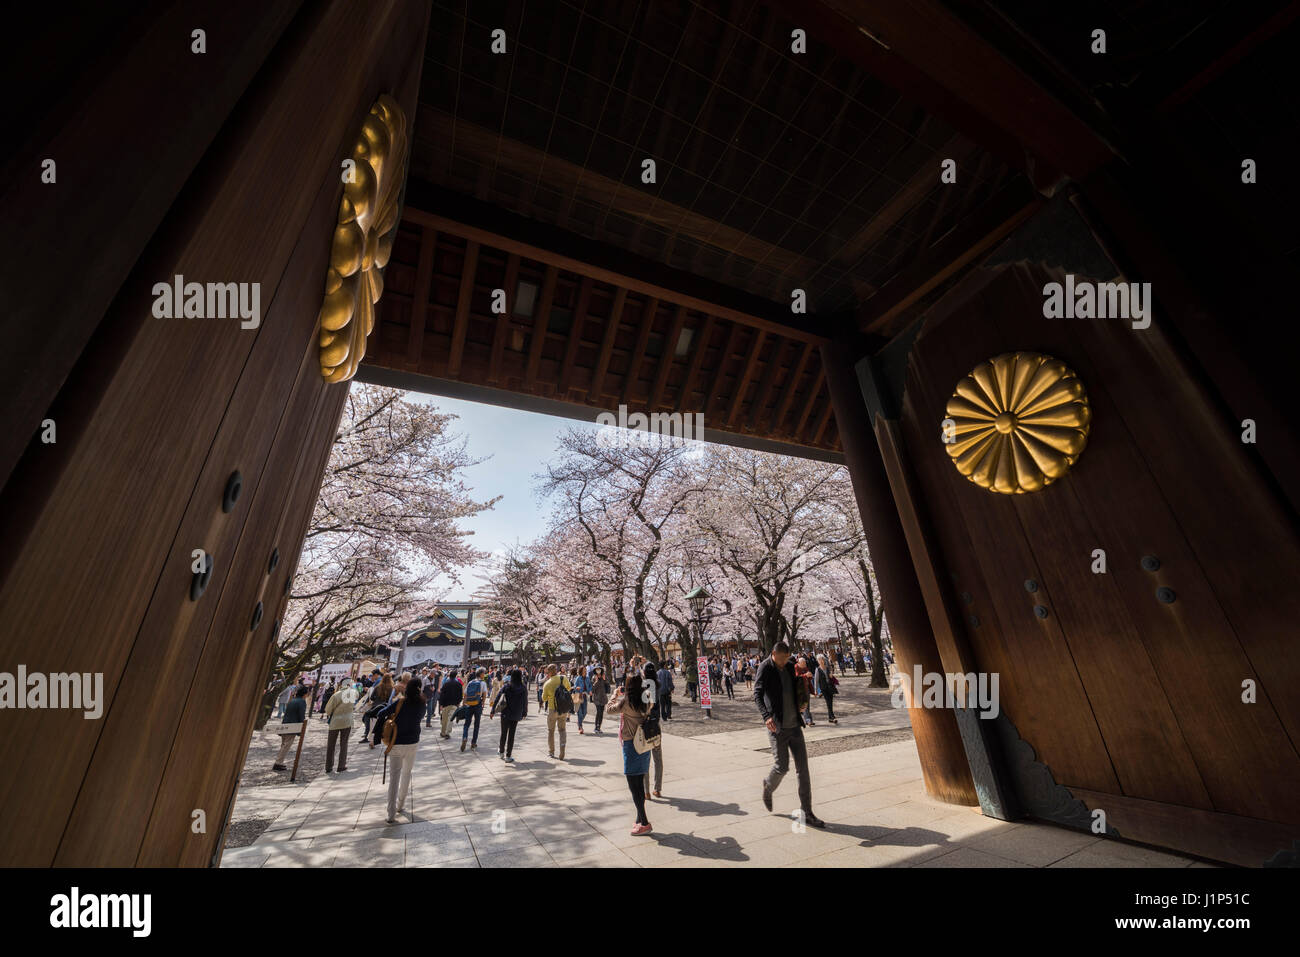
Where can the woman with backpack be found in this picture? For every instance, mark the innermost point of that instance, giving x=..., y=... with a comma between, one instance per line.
x=376, y=699
x=632, y=708
x=403, y=740
x=512, y=702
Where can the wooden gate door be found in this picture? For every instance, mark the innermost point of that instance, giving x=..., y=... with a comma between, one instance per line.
x=175, y=435
x=1132, y=684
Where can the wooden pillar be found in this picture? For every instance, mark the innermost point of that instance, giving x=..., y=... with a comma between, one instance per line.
x=943, y=758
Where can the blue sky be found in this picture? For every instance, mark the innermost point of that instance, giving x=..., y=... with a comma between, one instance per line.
x=514, y=446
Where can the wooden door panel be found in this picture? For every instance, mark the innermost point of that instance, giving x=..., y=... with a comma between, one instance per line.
x=1160, y=682
x=1238, y=532
x=1056, y=717
x=211, y=732
x=96, y=552
x=1197, y=655
x=99, y=133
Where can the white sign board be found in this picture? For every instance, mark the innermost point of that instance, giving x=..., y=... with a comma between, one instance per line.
x=284, y=728
x=439, y=655
x=330, y=674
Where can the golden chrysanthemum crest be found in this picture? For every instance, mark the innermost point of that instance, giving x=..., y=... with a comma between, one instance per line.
x=363, y=239
x=1017, y=422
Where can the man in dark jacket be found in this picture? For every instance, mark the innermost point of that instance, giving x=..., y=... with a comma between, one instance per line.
x=448, y=698
x=295, y=712
x=665, y=681
x=781, y=697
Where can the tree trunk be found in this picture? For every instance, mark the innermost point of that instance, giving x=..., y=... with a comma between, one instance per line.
x=267, y=706
x=878, y=679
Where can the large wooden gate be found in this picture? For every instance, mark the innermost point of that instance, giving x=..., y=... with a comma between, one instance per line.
x=1128, y=683
x=161, y=421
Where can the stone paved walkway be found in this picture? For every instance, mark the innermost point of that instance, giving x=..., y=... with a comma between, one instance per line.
x=473, y=810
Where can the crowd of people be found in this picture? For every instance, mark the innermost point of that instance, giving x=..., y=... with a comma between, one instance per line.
x=640, y=694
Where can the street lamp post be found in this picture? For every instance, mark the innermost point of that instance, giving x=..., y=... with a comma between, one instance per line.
x=699, y=599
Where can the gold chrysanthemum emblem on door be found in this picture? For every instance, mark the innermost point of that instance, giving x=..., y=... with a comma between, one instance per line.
x=1017, y=423
x=363, y=239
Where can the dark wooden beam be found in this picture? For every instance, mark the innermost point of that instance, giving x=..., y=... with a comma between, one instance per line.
x=575, y=336
x=907, y=199
x=715, y=394
x=541, y=319
x=648, y=310
x=607, y=346
x=461, y=323
x=791, y=385
x=702, y=334
x=666, y=360
x=1185, y=71
x=977, y=235
x=746, y=371
x=420, y=296
x=937, y=61
x=813, y=394
x=524, y=161
x=823, y=420
x=503, y=321
x=465, y=217
x=765, y=388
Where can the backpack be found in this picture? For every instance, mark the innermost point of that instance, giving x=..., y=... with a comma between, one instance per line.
x=563, y=699
x=474, y=698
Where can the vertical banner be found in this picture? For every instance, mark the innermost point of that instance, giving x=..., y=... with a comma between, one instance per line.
x=705, y=700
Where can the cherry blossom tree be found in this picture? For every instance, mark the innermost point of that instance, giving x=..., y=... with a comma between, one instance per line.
x=773, y=519
x=625, y=503
x=385, y=525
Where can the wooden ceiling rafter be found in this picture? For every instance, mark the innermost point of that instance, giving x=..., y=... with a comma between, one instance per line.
x=746, y=371
x=523, y=161
x=504, y=320
x=791, y=385
x=625, y=280
x=607, y=346
x=818, y=387
x=541, y=319
x=648, y=309
x=420, y=296
x=937, y=61
x=699, y=343
x=666, y=359
x=575, y=335
x=972, y=238
x=728, y=349
x=461, y=322
x=822, y=421
x=768, y=381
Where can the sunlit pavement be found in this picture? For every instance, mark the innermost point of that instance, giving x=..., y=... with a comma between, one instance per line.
x=472, y=809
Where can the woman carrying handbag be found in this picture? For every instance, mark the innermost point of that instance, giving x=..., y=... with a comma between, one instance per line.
x=631, y=707
x=651, y=730
x=401, y=734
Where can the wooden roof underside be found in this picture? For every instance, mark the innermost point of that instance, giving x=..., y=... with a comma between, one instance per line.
x=775, y=171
